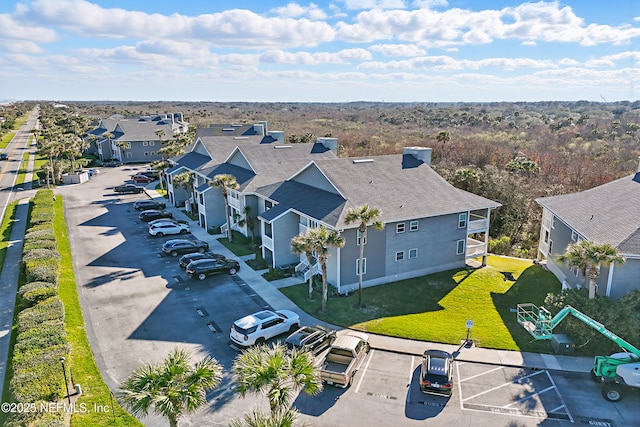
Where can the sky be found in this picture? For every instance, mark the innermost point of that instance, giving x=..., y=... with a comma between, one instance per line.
x=322, y=51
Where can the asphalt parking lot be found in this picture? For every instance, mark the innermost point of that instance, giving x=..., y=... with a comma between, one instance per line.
x=139, y=304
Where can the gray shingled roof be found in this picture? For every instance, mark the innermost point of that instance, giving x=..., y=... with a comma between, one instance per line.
x=191, y=161
x=609, y=213
x=399, y=185
x=135, y=130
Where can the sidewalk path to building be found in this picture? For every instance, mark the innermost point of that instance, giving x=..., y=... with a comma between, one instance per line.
x=278, y=301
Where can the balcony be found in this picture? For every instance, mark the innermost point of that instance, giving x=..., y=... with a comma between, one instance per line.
x=267, y=242
x=302, y=228
x=477, y=224
x=475, y=248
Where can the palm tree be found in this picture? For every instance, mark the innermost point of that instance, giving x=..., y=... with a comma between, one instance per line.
x=225, y=182
x=588, y=257
x=256, y=418
x=305, y=243
x=122, y=145
x=443, y=137
x=323, y=238
x=172, y=388
x=278, y=373
x=160, y=134
x=109, y=137
x=184, y=180
x=249, y=221
x=365, y=216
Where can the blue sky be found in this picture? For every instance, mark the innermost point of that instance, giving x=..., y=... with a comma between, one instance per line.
x=323, y=51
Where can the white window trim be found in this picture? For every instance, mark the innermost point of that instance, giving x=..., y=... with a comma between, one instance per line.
x=462, y=223
x=574, y=235
x=145, y=143
x=553, y=222
x=401, y=253
x=464, y=244
x=152, y=143
x=404, y=227
x=416, y=253
x=364, y=266
x=358, y=238
x=411, y=224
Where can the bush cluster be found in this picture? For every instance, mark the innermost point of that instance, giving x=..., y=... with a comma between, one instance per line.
x=42, y=338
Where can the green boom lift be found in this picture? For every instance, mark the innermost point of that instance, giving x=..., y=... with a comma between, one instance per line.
x=618, y=372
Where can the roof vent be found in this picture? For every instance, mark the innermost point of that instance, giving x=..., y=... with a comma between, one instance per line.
x=228, y=129
x=240, y=137
x=236, y=126
x=278, y=147
x=357, y=161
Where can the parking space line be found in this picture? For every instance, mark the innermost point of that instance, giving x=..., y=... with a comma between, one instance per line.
x=529, y=397
x=503, y=385
x=413, y=359
x=481, y=374
x=364, y=371
x=558, y=408
x=560, y=396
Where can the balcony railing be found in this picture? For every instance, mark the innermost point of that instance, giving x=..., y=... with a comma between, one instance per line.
x=477, y=224
x=475, y=248
x=302, y=228
x=267, y=242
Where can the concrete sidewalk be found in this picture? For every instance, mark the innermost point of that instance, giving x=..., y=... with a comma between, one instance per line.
x=278, y=301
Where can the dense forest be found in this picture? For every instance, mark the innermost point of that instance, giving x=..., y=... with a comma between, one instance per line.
x=508, y=152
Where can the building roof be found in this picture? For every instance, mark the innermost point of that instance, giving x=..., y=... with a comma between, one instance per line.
x=400, y=186
x=609, y=213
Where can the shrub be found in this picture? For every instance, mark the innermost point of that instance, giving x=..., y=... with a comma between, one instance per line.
x=40, y=244
x=40, y=293
x=38, y=419
x=40, y=382
x=51, y=309
x=40, y=253
x=37, y=356
x=277, y=273
x=42, y=233
x=28, y=287
x=42, y=270
x=500, y=246
x=48, y=334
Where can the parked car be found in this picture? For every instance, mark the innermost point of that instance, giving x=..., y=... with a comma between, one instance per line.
x=344, y=358
x=151, y=173
x=169, y=220
x=258, y=327
x=187, y=258
x=165, y=228
x=4, y=156
x=202, y=268
x=314, y=339
x=436, y=372
x=142, y=178
x=128, y=188
x=111, y=163
x=151, y=214
x=176, y=247
x=143, y=205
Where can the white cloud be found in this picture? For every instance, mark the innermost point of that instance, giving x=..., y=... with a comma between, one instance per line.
x=316, y=58
x=398, y=49
x=295, y=10
x=374, y=4
x=15, y=36
x=429, y=4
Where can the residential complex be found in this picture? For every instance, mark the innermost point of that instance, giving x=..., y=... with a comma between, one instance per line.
x=287, y=188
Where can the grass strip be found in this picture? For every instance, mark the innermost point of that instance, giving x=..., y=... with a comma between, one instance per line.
x=435, y=308
x=22, y=171
x=95, y=393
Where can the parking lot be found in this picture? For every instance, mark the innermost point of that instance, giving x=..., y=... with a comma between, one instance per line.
x=139, y=304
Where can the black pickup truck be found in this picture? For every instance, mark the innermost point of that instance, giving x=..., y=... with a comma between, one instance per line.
x=128, y=188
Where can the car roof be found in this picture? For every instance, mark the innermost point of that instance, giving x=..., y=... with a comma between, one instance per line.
x=255, y=319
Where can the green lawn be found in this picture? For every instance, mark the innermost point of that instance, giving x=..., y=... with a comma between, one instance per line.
x=85, y=371
x=23, y=170
x=240, y=245
x=436, y=307
x=6, y=139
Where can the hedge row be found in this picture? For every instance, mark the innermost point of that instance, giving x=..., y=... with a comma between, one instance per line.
x=41, y=336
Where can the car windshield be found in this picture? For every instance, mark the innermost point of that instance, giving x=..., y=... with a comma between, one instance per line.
x=435, y=368
x=244, y=331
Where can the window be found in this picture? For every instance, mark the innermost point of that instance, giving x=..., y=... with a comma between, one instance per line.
x=152, y=153
x=400, y=228
x=413, y=253
x=553, y=221
x=413, y=225
x=462, y=220
x=460, y=247
x=550, y=247
x=145, y=143
x=201, y=198
x=399, y=255
x=267, y=229
x=268, y=204
x=146, y=153
x=574, y=235
x=546, y=236
x=364, y=266
x=233, y=195
x=358, y=238
x=152, y=143
x=313, y=223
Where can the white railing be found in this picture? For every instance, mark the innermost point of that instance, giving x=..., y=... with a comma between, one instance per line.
x=313, y=271
x=302, y=228
x=234, y=202
x=475, y=248
x=267, y=242
x=478, y=225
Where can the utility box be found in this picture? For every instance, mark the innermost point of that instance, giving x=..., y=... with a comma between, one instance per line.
x=562, y=344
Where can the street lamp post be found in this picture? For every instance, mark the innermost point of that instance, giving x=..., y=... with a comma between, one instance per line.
x=66, y=383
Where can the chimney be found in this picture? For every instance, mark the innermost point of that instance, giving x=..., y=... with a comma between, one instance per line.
x=638, y=164
x=261, y=128
x=330, y=143
x=420, y=153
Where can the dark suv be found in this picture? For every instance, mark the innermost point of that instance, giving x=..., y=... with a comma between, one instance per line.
x=143, y=205
x=314, y=339
x=176, y=247
x=436, y=372
x=202, y=268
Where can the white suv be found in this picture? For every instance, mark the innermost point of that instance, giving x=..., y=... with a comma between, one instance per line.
x=164, y=228
x=259, y=327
